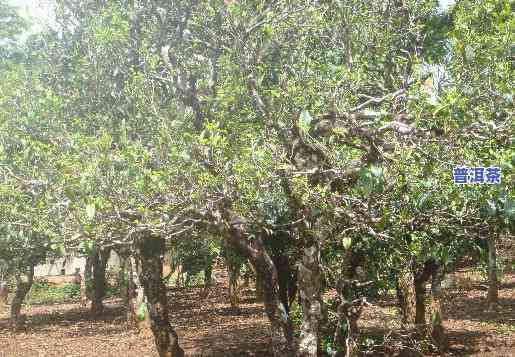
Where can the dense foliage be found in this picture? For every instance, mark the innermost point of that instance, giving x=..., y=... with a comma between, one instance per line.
x=316, y=137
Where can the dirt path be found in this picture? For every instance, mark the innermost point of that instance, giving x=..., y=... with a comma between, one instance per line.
x=208, y=327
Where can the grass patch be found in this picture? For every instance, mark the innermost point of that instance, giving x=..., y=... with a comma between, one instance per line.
x=44, y=293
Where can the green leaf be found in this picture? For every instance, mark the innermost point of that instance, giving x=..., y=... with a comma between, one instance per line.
x=305, y=121
x=371, y=180
x=90, y=211
x=58, y=248
x=509, y=209
x=141, y=312
x=86, y=246
x=489, y=209
x=373, y=113
x=347, y=242
x=421, y=200
x=268, y=31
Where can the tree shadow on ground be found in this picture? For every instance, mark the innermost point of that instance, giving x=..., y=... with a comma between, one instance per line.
x=40, y=322
x=464, y=343
x=466, y=308
x=508, y=286
x=226, y=345
x=206, y=326
x=210, y=327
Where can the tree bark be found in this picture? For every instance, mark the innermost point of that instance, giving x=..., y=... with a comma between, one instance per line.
x=4, y=288
x=24, y=282
x=348, y=310
x=136, y=302
x=339, y=340
x=437, y=329
x=278, y=245
x=282, y=264
x=99, y=263
x=120, y=279
x=412, y=299
x=123, y=278
x=83, y=290
x=151, y=250
x=406, y=297
x=348, y=313
x=282, y=330
x=420, y=300
x=493, y=284
x=88, y=279
x=132, y=304
x=233, y=270
x=309, y=279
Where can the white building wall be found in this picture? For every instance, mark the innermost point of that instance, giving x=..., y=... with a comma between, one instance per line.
x=60, y=265
x=69, y=264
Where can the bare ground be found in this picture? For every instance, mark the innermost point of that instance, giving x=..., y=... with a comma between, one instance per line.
x=208, y=327
x=472, y=330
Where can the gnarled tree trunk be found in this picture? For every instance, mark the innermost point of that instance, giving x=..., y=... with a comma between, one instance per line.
x=99, y=264
x=120, y=278
x=233, y=270
x=278, y=243
x=437, y=330
x=87, y=279
x=123, y=277
x=347, y=331
x=151, y=250
x=83, y=290
x=137, y=311
x=420, y=299
x=24, y=280
x=412, y=294
x=309, y=279
x=348, y=310
x=281, y=328
x=406, y=297
x=282, y=331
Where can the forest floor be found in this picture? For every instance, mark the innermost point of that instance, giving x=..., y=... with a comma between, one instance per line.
x=208, y=327
x=472, y=330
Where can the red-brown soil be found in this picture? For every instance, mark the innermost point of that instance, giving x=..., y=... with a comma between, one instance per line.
x=472, y=330
x=208, y=327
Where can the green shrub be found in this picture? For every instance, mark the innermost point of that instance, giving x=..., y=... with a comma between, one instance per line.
x=296, y=316
x=71, y=290
x=43, y=293
x=112, y=290
x=40, y=285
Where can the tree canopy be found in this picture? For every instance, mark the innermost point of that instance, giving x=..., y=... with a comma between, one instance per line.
x=336, y=125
